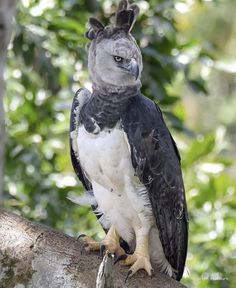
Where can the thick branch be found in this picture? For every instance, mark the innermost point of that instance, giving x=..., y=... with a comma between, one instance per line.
x=37, y=256
x=7, y=10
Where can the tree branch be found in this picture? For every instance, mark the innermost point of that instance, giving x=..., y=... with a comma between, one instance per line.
x=36, y=256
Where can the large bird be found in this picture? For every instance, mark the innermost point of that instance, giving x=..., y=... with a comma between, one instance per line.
x=125, y=156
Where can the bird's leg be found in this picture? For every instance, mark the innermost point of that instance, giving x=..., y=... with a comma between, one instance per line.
x=140, y=259
x=110, y=243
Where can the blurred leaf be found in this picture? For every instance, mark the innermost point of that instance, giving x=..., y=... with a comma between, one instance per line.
x=199, y=149
x=169, y=100
x=198, y=86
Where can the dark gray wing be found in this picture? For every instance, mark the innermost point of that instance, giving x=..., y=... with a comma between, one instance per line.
x=156, y=160
x=79, y=99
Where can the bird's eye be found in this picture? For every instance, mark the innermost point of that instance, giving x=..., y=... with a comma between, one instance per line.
x=118, y=58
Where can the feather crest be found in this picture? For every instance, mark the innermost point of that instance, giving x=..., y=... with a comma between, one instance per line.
x=126, y=15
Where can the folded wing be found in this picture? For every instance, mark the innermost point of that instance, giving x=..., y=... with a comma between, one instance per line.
x=156, y=161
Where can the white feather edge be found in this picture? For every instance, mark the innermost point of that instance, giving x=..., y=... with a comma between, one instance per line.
x=89, y=200
x=84, y=200
x=82, y=97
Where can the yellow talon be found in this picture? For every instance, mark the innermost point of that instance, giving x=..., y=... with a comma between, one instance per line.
x=140, y=259
x=138, y=262
x=110, y=243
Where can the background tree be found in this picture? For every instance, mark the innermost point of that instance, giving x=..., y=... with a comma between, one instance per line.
x=188, y=49
x=7, y=10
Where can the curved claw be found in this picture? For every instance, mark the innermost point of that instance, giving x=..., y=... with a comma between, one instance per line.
x=119, y=258
x=129, y=274
x=83, y=248
x=102, y=249
x=152, y=273
x=81, y=236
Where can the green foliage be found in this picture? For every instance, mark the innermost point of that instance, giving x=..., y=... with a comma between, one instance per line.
x=211, y=204
x=47, y=64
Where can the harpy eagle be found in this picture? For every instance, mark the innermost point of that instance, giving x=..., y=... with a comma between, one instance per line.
x=125, y=156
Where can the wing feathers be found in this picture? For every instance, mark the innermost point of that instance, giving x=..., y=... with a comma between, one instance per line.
x=157, y=163
x=80, y=98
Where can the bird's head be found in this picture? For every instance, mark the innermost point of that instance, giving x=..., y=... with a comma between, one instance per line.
x=114, y=56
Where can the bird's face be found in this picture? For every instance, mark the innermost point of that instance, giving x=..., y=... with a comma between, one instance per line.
x=116, y=62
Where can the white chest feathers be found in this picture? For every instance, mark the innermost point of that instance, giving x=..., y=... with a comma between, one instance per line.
x=122, y=199
x=105, y=157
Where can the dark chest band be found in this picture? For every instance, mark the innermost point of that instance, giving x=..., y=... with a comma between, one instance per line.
x=105, y=107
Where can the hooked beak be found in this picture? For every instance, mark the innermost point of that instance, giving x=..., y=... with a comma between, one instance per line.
x=133, y=68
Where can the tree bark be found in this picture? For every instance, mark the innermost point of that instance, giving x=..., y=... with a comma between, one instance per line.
x=7, y=10
x=32, y=255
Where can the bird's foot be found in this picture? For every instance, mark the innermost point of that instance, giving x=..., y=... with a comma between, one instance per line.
x=140, y=259
x=138, y=262
x=89, y=244
x=110, y=244
x=112, y=247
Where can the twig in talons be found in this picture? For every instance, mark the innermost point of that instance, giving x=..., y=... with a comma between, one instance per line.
x=105, y=277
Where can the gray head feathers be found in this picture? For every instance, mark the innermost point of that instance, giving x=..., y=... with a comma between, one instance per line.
x=95, y=26
x=114, y=56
